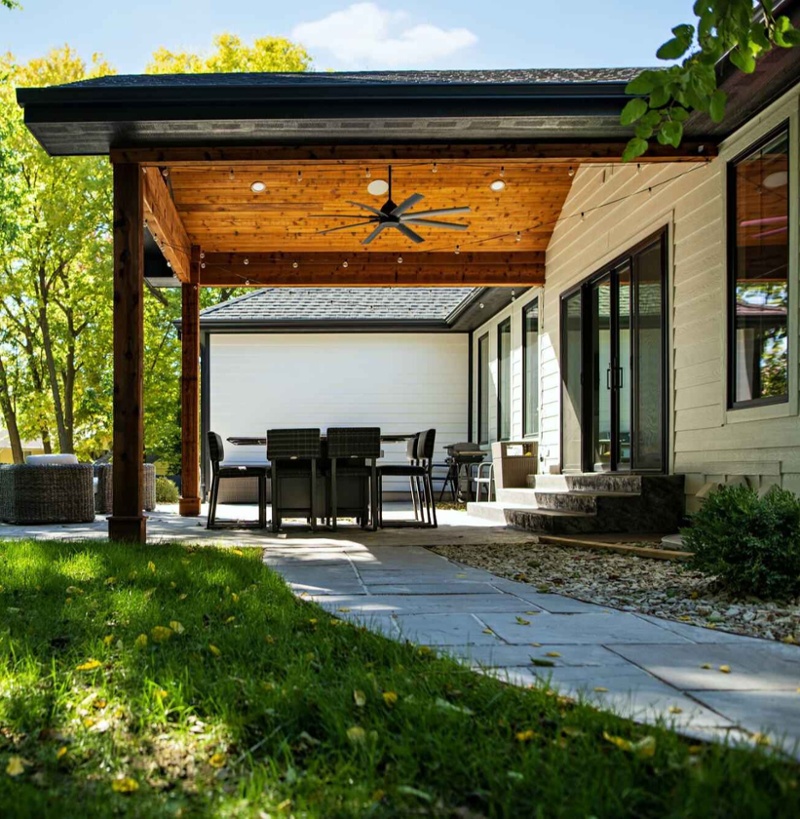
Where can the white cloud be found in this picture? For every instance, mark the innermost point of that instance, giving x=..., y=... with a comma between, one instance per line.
x=365, y=35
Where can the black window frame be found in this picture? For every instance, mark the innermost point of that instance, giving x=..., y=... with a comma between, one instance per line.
x=501, y=327
x=532, y=305
x=483, y=384
x=730, y=294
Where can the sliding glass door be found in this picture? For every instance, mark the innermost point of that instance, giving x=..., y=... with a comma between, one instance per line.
x=614, y=368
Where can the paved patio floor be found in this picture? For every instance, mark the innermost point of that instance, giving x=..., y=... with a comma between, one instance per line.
x=640, y=666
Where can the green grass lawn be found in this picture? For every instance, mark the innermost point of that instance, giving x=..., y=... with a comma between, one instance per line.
x=165, y=680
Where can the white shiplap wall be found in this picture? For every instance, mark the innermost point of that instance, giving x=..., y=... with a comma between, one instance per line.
x=401, y=382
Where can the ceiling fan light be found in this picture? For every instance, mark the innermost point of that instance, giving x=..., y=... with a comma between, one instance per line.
x=778, y=179
x=258, y=186
x=378, y=187
x=498, y=185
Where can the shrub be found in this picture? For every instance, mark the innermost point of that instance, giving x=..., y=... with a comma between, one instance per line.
x=751, y=543
x=166, y=491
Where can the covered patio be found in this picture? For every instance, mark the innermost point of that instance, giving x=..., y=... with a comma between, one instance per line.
x=254, y=180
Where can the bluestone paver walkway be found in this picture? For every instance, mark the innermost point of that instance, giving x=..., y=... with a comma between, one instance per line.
x=642, y=667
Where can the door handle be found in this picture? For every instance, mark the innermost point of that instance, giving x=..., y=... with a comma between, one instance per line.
x=619, y=377
x=608, y=378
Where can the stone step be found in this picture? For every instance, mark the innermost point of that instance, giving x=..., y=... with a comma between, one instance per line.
x=509, y=515
x=591, y=483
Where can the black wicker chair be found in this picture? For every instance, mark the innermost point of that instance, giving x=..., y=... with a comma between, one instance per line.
x=221, y=470
x=294, y=454
x=418, y=470
x=359, y=449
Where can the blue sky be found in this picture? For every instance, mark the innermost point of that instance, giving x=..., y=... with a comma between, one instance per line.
x=359, y=35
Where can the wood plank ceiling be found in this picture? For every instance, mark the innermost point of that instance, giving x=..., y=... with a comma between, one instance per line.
x=222, y=214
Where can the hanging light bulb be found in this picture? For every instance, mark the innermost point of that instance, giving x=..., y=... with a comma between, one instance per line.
x=458, y=249
x=434, y=168
x=518, y=237
x=344, y=263
x=571, y=171
x=294, y=265
x=202, y=254
x=299, y=176
x=399, y=260
x=232, y=175
x=583, y=216
x=203, y=265
x=165, y=172
x=368, y=173
x=246, y=260
x=502, y=171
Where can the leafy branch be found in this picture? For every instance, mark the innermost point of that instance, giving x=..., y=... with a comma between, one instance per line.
x=664, y=98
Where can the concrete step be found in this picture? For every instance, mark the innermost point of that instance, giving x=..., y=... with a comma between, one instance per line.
x=544, y=520
x=591, y=482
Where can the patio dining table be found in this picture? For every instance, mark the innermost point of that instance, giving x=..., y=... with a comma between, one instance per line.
x=245, y=440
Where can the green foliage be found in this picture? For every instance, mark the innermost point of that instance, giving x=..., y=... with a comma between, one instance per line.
x=666, y=97
x=166, y=491
x=191, y=681
x=752, y=544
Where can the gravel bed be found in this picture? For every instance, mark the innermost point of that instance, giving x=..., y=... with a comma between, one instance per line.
x=662, y=588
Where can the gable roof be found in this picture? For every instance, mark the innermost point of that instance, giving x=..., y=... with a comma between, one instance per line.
x=280, y=307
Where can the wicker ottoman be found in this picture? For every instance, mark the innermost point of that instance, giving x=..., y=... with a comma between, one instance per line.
x=54, y=493
x=105, y=488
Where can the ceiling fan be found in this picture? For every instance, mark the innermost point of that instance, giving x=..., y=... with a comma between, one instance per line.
x=396, y=216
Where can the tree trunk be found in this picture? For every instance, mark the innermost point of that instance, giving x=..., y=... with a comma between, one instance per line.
x=64, y=438
x=10, y=417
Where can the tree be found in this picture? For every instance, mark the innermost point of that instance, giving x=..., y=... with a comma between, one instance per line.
x=666, y=97
x=231, y=55
x=55, y=263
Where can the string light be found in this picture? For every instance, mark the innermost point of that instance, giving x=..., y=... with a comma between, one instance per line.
x=299, y=176
x=502, y=171
x=399, y=260
x=202, y=254
x=232, y=175
x=246, y=261
x=434, y=168
x=368, y=173
x=571, y=171
x=294, y=265
x=345, y=263
x=203, y=265
x=518, y=237
x=165, y=172
x=458, y=249
x=583, y=216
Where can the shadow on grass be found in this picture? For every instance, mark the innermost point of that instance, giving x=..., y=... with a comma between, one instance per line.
x=169, y=680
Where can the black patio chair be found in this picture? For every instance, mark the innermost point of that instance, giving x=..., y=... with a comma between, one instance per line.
x=294, y=454
x=221, y=470
x=418, y=470
x=358, y=449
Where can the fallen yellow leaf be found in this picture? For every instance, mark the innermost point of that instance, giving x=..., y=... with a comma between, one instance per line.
x=140, y=641
x=522, y=621
x=237, y=552
x=601, y=689
x=100, y=703
x=125, y=784
x=525, y=736
x=160, y=693
x=217, y=760
x=790, y=639
x=160, y=634
x=234, y=597
x=285, y=805
x=552, y=654
x=761, y=739
x=182, y=596
x=151, y=566
x=176, y=626
x=343, y=608
x=74, y=590
x=706, y=665
x=488, y=631
x=359, y=698
x=61, y=752
x=108, y=639
x=674, y=709
x=389, y=697
x=16, y=766
x=89, y=665
x=229, y=620
x=725, y=669
x=214, y=650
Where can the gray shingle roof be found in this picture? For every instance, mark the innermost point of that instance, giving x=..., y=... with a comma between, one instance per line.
x=345, y=78
x=339, y=304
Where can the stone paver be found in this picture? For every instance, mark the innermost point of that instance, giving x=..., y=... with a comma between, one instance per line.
x=641, y=667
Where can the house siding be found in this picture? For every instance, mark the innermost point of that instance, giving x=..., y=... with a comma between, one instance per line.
x=608, y=211
x=401, y=382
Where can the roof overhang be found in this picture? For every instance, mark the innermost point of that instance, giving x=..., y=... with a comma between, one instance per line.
x=84, y=119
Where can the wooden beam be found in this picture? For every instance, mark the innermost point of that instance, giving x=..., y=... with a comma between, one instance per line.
x=127, y=521
x=189, y=505
x=164, y=223
x=368, y=269
x=548, y=152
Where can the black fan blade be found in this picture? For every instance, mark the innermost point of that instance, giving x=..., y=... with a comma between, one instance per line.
x=440, y=212
x=374, y=233
x=406, y=231
x=409, y=203
x=345, y=227
x=412, y=220
x=365, y=207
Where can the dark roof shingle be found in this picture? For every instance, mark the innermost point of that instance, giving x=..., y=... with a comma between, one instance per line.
x=282, y=305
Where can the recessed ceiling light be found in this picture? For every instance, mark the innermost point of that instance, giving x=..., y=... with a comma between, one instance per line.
x=776, y=180
x=258, y=187
x=378, y=187
x=498, y=185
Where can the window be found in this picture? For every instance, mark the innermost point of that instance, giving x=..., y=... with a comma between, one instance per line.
x=483, y=389
x=504, y=380
x=758, y=297
x=530, y=364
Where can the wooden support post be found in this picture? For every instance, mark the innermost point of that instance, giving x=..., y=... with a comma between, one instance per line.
x=190, y=390
x=127, y=521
